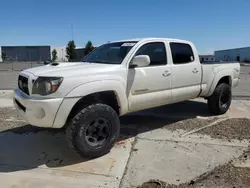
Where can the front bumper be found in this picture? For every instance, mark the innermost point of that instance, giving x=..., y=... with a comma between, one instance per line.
x=37, y=112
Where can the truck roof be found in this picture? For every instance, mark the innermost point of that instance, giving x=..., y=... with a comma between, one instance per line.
x=153, y=38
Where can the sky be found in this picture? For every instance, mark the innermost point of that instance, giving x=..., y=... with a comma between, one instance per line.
x=209, y=24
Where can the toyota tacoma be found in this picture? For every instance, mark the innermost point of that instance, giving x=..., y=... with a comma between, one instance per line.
x=117, y=78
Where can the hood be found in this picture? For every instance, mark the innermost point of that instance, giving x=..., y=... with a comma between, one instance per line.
x=69, y=69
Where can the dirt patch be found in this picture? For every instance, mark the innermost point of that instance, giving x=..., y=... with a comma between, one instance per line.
x=6, y=126
x=189, y=124
x=29, y=129
x=9, y=119
x=237, y=128
x=9, y=113
x=226, y=176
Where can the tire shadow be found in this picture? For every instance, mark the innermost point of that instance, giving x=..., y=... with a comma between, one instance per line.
x=29, y=147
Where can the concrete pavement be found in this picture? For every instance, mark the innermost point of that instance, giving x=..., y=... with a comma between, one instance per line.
x=161, y=143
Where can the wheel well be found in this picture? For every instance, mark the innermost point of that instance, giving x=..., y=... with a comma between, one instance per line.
x=225, y=79
x=105, y=97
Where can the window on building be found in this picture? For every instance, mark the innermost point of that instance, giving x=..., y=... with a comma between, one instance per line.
x=212, y=59
x=156, y=51
x=206, y=59
x=181, y=53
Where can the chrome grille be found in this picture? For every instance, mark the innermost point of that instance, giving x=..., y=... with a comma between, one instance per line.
x=23, y=84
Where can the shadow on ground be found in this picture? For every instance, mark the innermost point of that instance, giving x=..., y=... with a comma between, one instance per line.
x=28, y=147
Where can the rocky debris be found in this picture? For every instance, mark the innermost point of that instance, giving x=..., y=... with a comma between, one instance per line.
x=237, y=128
x=189, y=124
x=9, y=113
x=10, y=119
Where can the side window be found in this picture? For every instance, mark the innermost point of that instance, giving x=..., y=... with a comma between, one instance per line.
x=156, y=51
x=181, y=53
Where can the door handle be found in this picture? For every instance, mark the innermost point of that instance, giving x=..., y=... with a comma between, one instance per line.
x=166, y=73
x=195, y=70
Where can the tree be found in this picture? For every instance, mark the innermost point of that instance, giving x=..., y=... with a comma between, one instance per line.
x=71, y=51
x=54, y=55
x=88, y=48
x=4, y=56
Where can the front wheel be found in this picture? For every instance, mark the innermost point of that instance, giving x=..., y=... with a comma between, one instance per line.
x=220, y=101
x=94, y=130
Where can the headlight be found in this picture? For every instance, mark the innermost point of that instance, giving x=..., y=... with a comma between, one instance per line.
x=46, y=85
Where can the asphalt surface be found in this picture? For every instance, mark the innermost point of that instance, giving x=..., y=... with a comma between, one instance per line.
x=8, y=80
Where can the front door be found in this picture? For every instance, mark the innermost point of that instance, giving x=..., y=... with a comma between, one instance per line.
x=150, y=86
x=186, y=70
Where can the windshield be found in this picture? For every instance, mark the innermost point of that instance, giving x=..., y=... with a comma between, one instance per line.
x=111, y=53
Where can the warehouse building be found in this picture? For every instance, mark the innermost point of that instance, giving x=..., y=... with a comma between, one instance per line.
x=237, y=54
x=27, y=53
x=38, y=53
x=207, y=58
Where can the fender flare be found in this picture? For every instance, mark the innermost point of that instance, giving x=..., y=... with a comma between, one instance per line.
x=218, y=77
x=99, y=86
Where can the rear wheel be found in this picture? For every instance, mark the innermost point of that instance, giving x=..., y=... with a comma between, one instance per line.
x=94, y=130
x=220, y=101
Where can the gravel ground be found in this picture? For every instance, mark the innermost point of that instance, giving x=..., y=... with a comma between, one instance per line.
x=238, y=128
x=10, y=126
x=7, y=119
x=189, y=124
x=132, y=125
x=226, y=176
x=11, y=121
x=9, y=113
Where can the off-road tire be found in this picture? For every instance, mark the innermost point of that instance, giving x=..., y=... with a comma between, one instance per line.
x=215, y=100
x=77, y=127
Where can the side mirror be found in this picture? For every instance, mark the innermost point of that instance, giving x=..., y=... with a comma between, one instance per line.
x=140, y=61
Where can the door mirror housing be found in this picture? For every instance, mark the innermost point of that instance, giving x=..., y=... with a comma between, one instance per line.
x=140, y=61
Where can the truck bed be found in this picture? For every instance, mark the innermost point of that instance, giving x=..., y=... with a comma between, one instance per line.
x=212, y=69
x=219, y=62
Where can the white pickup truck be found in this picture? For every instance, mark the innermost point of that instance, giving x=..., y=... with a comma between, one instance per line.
x=115, y=79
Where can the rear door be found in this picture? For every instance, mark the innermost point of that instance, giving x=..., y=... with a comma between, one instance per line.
x=186, y=72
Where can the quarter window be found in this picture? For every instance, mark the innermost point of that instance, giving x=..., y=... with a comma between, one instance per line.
x=181, y=53
x=156, y=51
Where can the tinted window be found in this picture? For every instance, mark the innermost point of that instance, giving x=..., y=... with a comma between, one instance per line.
x=181, y=53
x=156, y=51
